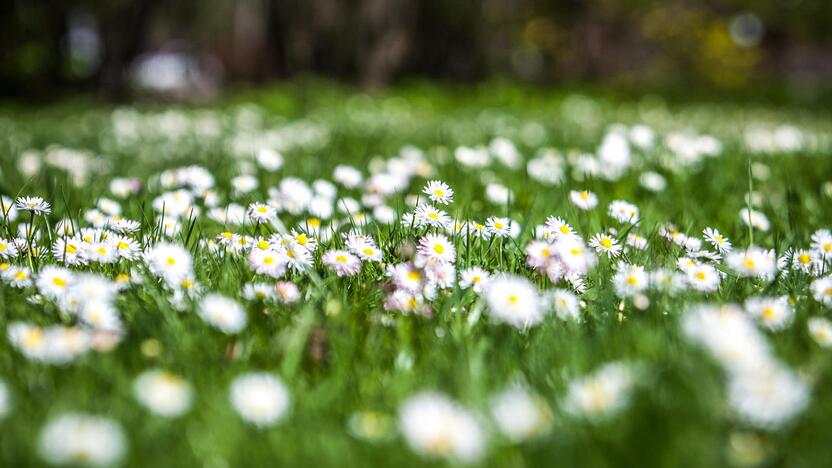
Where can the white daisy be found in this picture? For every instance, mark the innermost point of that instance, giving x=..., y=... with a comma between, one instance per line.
x=438, y=248
x=584, y=199
x=439, y=192
x=223, y=313
x=514, y=300
x=342, y=262
x=259, y=398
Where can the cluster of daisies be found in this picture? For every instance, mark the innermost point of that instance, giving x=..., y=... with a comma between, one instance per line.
x=304, y=237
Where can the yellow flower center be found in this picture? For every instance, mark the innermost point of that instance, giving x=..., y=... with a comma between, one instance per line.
x=433, y=216
x=314, y=222
x=341, y=258
x=749, y=263
x=262, y=245
x=122, y=245
x=301, y=239
x=768, y=313
x=71, y=249
x=584, y=195
x=368, y=251
x=187, y=284
x=804, y=259
x=57, y=281
x=268, y=260
x=564, y=229
x=20, y=275
x=414, y=275
x=498, y=225
x=512, y=298
x=439, y=193
x=606, y=242
x=632, y=280
x=438, y=248
x=227, y=235
x=700, y=275
x=171, y=261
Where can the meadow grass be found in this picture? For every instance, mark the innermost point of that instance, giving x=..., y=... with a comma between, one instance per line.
x=348, y=363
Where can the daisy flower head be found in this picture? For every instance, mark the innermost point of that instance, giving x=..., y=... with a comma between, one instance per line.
x=806, y=261
x=630, y=280
x=8, y=249
x=538, y=253
x=171, y=262
x=624, y=212
x=574, y=256
x=475, y=278
x=428, y=215
x=437, y=427
x=502, y=227
x=406, y=276
x=584, y=199
x=755, y=219
x=163, y=393
x=18, y=277
x=822, y=243
x=514, y=300
x=605, y=244
x=258, y=291
x=636, y=241
x=287, y=292
x=296, y=256
x=260, y=398
x=304, y=240
x=720, y=242
x=124, y=247
x=565, y=304
x=439, y=192
x=8, y=212
x=267, y=262
x=600, y=394
x=520, y=414
x=774, y=313
x=364, y=247
x=342, y=262
x=261, y=212
x=438, y=248
x=820, y=329
x=558, y=227
x=222, y=313
x=54, y=282
x=75, y=438
x=703, y=278
x=822, y=290
x=36, y=205
x=753, y=262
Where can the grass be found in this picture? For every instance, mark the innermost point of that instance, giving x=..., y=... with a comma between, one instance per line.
x=340, y=353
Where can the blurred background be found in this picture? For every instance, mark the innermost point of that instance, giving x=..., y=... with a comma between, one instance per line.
x=194, y=49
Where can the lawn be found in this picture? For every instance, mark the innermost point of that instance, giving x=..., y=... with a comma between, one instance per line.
x=595, y=279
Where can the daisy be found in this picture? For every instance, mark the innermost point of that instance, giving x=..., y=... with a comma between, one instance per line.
x=584, y=200
x=364, y=247
x=574, y=256
x=267, y=262
x=822, y=290
x=261, y=212
x=164, y=393
x=8, y=212
x=636, y=241
x=721, y=243
x=753, y=262
x=7, y=249
x=774, y=313
x=347, y=176
x=538, y=254
x=602, y=393
x=223, y=313
x=475, y=278
x=304, y=240
x=260, y=398
x=805, y=261
x=755, y=219
x=703, y=278
x=428, y=215
x=438, y=248
x=820, y=329
x=605, y=244
x=125, y=226
x=565, y=304
x=499, y=227
x=75, y=438
x=439, y=192
x=514, y=300
x=69, y=251
x=406, y=276
x=258, y=291
x=36, y=205
x=287, y=292
x=822, y=243
x=521, y=415
x=53, y=282
x=125, y=247
x=296, y=257
x=623, y=212
x=170, y=262
x=558, y=228
x=18, y=277
x=436, y=427
x=342, y=262
x=630, y=280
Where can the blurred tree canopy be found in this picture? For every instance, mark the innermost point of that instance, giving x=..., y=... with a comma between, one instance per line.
x=53, y=45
